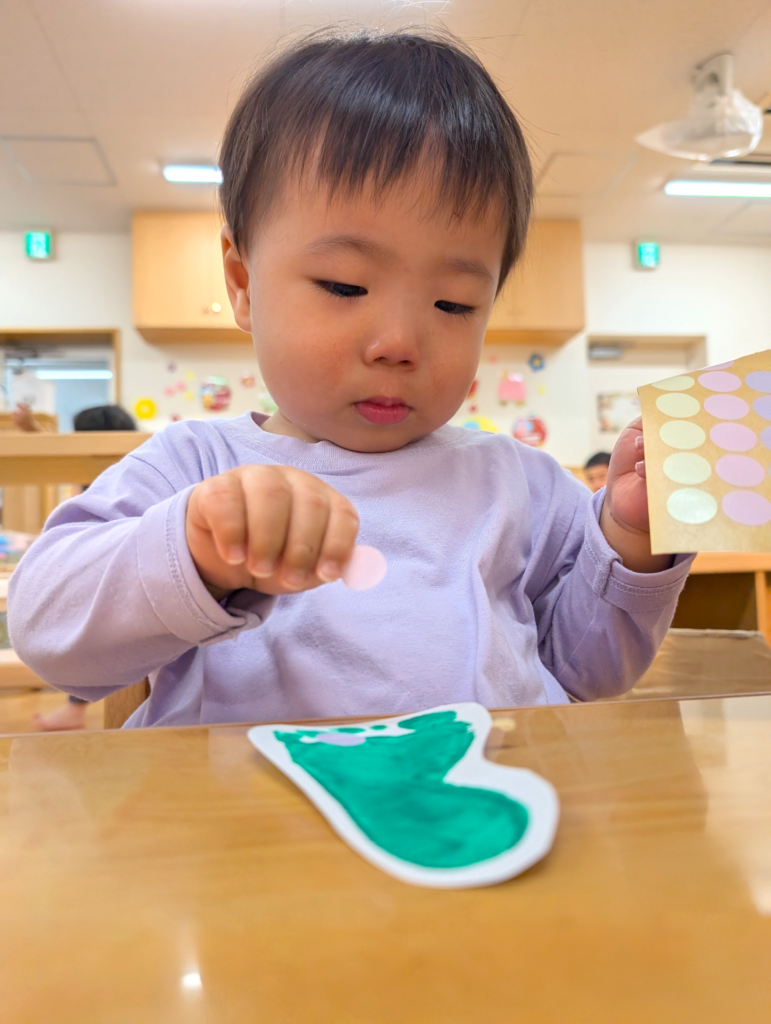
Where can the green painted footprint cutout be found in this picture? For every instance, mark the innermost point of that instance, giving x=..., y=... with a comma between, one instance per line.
x=415, y=795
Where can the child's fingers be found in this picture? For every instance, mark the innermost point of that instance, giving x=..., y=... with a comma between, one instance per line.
x=268, y=497
x=339, y=540
x=307, y=527
x=219, y=508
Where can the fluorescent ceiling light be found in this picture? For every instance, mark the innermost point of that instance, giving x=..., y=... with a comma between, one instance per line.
x=195, y=174
x=74, y=374
x=720, y=189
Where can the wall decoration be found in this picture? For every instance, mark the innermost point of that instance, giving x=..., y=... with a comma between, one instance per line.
x=145, y=409
x=444, y=816
x=708, y=458
x=175, y=417
x=189, y=396
x=530, y=430
x=169, y=392
x=473, y=409
x=215, y=394
x=512, y=388
x=171, y=367
x=482, y=423
x=616, y=410
x=247, y=379
x=541, y=389
x=536, y=362
x=181, y=386
x=189, y=375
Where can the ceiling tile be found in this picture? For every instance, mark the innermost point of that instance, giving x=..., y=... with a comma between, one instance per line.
x=59, y=161
x=582, y=174
x=751, y=221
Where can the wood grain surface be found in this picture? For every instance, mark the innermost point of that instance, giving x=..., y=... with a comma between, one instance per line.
x=133, y=864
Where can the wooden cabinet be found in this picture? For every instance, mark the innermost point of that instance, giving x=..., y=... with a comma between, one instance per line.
x=179, y=285
x=543, y=300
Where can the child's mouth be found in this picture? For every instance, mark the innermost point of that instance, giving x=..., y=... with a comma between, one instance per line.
x=383, y=411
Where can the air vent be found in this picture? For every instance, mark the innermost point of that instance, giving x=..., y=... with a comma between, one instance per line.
x=59, y=161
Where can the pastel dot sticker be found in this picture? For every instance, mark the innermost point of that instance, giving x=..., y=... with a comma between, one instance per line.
x=675, y=384
x=726, y=407
x=719, y=380
x=692, y=506
x=682, y=434
x=687, y=468
x=747, y=507
x=765, y=436
x=740, y=471
x=366, y=568
x=762, y=406
x=676, y=404
x=721, y=366
x=760, y=380
x=733, y=437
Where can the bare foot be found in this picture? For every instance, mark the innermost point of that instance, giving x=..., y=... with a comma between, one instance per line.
x=69, y=716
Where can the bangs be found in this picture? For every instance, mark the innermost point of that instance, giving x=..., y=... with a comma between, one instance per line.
x=370, y=111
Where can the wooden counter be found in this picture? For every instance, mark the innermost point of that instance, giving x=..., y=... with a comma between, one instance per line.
x=173, y=876
x=63, y=458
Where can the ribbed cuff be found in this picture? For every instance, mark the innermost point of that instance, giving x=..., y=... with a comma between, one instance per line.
x=610, y=579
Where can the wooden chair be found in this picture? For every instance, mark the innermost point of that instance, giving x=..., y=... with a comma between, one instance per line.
x=119, y=706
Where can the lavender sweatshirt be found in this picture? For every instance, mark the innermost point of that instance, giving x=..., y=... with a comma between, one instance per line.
x=501, y=587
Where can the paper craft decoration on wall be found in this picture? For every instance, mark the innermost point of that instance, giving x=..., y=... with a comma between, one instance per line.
x=415, y=796
x=616, y=410
x=530, y=430
x=482, y=423
x=708, y=458
x=145, y=409
x=215, y=394
x=512, y=388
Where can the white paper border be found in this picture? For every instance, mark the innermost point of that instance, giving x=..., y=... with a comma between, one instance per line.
x=537, y=795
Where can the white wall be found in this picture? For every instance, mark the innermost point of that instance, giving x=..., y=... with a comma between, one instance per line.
x=721, y=292
x=89, y=285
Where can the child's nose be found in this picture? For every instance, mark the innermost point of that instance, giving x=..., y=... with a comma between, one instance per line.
x=395, y=345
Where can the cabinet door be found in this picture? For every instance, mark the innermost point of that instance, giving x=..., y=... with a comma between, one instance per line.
x=543, y=300
x=178, y=278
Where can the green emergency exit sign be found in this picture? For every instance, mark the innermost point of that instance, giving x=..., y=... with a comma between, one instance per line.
x=38, y=245
x=647, y=255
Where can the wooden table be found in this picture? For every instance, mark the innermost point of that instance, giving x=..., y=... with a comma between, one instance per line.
x=63, y=458
x=135, y=865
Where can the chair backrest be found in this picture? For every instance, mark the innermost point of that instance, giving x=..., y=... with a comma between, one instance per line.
x=119, y=706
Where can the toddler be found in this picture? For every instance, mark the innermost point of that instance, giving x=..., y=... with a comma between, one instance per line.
x=376, y=193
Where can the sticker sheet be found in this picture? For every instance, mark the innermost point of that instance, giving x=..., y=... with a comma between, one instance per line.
x=708, y=458
x=415, y=796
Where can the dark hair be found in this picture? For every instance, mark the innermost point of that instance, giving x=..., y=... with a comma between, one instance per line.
x=366, y=109
x=103, y=417
x=600, y=459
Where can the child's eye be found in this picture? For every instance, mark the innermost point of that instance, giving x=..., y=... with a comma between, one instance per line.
x=342, y=291
x=455, y=308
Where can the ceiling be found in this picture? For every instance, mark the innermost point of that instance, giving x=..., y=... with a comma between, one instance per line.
x=133, y=84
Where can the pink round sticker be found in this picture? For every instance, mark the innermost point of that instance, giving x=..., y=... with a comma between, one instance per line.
x=747, y=507
x=733, y=437
x=366, y=568
x=718, y=380
x=740, y=471
x=726, y=407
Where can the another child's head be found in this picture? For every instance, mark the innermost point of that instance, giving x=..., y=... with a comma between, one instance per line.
x=377, y=191
x=103, y=417
x=596, y=471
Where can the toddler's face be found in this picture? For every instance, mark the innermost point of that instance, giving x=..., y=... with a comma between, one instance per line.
x=367, y=317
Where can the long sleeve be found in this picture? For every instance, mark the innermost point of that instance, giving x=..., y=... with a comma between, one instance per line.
x=109, y=592
x=599, y=623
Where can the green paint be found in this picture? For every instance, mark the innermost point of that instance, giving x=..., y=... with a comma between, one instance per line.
x=393, y=788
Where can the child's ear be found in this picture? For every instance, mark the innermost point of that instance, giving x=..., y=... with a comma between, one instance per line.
x=236, y=281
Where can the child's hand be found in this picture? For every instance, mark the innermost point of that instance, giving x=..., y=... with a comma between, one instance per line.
x=624, y=518
x=270, y=528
